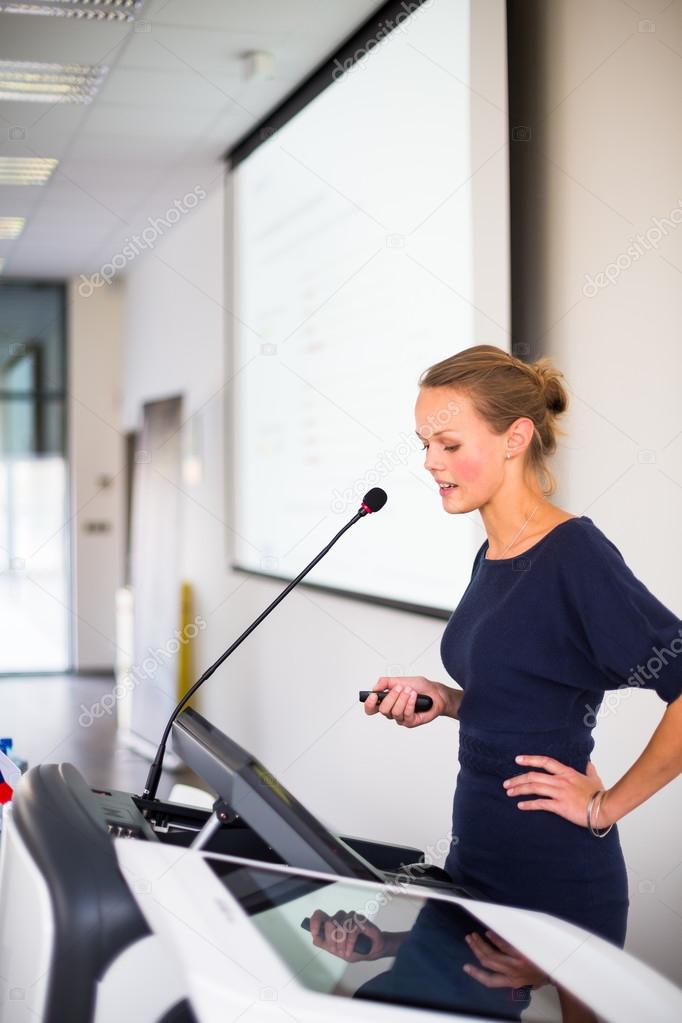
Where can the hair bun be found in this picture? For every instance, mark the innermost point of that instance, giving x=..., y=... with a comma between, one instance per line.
x=550, y=380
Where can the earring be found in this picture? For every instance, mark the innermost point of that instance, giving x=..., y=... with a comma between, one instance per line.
x=508, y=455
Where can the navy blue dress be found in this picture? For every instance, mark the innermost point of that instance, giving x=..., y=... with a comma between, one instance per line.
x=534, y=643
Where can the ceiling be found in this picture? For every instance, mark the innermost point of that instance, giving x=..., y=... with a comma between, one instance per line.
x=175, y=98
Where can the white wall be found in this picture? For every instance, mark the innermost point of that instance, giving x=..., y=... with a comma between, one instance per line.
x=609, y=154
x=289, y=692
x=96, y=453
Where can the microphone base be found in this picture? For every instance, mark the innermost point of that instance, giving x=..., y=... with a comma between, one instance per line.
x=147, y=749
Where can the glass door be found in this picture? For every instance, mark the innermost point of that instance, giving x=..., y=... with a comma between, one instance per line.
x=34, y=521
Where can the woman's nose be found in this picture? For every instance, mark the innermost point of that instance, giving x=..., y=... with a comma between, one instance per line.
x=431, y=461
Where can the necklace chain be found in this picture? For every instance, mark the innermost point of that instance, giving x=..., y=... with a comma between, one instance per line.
x=512, y=542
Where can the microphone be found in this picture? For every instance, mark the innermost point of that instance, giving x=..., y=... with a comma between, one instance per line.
x=373, y=501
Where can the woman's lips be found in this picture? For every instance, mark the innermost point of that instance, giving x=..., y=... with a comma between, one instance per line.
x=447, y=490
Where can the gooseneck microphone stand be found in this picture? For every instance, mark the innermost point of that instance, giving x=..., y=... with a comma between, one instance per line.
x=373, y=501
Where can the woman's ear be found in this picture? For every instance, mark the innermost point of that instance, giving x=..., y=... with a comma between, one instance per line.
x=519, y=436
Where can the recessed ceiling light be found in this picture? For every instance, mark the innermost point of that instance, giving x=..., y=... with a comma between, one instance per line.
x=11, y=227
x=29, y=170
x=89, y=10
x=49, y=83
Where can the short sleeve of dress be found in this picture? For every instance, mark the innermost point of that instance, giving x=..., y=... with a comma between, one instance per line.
x=632, y=638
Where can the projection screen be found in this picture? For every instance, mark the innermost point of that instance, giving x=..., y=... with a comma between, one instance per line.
x=369, y=240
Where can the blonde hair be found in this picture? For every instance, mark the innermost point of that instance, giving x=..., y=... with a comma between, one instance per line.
x=502, y=389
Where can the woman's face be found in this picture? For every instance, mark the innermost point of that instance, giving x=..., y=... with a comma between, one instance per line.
x=460, y=448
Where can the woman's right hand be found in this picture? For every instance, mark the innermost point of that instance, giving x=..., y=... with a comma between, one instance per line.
x=398, y=705
x=338, y=934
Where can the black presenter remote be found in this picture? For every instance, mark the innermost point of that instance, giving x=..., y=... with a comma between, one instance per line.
x=423, y=702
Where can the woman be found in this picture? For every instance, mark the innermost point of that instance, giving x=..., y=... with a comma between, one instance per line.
x=552, y=617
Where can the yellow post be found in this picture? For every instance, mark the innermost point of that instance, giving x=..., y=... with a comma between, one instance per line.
x=185, y=677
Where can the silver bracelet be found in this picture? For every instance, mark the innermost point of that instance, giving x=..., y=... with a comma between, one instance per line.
x=599, y=794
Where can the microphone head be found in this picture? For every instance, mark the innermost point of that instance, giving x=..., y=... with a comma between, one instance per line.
x=374, y=500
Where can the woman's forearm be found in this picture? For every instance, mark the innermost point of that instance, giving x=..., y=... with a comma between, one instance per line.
x=453, y=698
x=660, y=762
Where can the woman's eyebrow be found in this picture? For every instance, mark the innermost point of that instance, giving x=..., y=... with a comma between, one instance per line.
x=435, y=434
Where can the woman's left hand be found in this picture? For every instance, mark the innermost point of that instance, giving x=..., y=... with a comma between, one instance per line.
x=504, y=965
x=566, y=792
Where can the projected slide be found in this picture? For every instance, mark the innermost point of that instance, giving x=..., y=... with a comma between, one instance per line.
x=354, y=271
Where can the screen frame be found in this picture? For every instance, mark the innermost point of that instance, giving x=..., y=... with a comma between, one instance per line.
x=380, y=24
x=334, y=591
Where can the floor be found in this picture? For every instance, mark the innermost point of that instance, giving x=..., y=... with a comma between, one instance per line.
x=34, y=621
x=41, y=715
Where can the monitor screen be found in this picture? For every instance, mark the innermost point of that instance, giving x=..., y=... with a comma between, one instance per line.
x=251, y=791
x=379, y=944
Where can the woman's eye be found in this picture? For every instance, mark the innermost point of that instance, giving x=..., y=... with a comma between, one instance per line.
x=453, y=447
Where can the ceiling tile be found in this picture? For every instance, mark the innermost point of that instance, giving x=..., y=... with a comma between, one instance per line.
x=174, y=100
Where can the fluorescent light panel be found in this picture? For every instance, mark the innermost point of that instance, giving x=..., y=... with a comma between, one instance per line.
x=87, y=10
x=29, y=170
x=49, y=83
x=11, y=227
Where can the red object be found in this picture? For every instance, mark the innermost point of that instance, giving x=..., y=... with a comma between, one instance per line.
x=6, y=792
